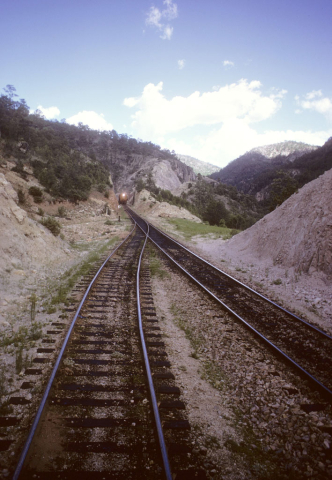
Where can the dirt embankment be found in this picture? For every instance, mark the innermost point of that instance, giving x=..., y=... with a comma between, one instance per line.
x=296, y=235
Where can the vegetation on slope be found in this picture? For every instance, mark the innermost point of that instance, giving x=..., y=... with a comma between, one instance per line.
x=205, y=200
x=67, y=160
x=241, y=212
x=162, y=195
x=274, y=180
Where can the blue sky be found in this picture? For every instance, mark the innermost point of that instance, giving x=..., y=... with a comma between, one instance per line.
x=210, y=79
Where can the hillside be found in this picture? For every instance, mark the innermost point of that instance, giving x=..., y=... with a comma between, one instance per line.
x=204, y=168
x=69, y=161
x=298, y=233
x=296, y=163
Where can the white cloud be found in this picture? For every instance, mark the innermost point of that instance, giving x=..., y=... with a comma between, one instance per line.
x=314, y=101
x=50, y=112
x=156, y=18
x=171, y=10
x=167, y=32
x=157, y=116
x=231, y=111
x=313, y=94
x=228, y=64
x=153, y=17
x=181, y=64
x=92, y=119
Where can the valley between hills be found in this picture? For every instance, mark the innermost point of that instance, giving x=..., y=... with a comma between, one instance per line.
x=268, y=226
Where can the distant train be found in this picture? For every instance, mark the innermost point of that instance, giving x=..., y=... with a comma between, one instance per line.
x=123, y=198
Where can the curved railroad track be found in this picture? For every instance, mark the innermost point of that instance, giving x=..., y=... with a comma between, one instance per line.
x=304, y=346
x=111, y=409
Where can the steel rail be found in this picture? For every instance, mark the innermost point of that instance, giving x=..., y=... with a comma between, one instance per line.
x=161, y=438
x=56, y=366
x=318, y=330
x=322, y=388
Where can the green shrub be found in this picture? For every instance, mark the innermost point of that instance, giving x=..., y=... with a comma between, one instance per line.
x=40, y=212
x=21, y=197
x=52, y=225
x=140, y=185
x=33, y=303
x=62, y=211
x=19, y=168
x=102, y=188
x=37, y=194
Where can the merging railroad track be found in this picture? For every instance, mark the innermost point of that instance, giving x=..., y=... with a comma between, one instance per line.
x=306, y=347
x=111, y=409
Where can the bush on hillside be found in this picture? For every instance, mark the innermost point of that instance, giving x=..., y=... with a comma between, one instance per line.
x=62, y=211
x=21, y=197
x=37, y=194
x=52, y=225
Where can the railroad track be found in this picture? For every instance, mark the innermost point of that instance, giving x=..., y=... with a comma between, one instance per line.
x=111, y=408
x=307, y=348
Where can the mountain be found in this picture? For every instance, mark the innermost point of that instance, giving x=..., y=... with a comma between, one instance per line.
x=204, y=168
x=255, y=171
x=289, y=149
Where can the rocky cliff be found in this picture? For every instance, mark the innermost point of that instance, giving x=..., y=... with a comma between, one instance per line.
x=167, y=173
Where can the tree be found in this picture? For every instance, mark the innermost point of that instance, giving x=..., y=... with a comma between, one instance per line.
x=150, y=185
x=140, y=185
x=10, y=91
x=215, y=211
x=282, y=187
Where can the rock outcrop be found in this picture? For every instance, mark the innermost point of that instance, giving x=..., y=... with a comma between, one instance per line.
x=167, y=174
x=9, y=201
